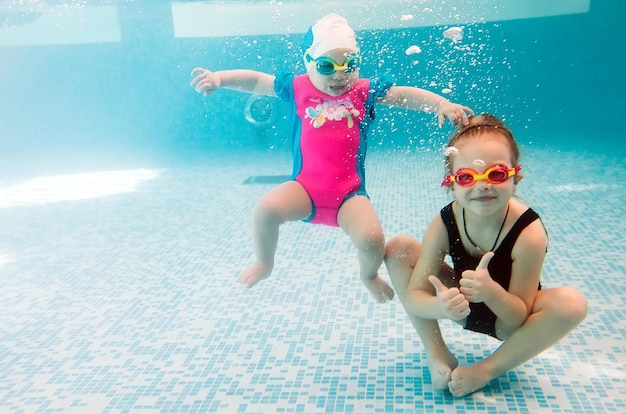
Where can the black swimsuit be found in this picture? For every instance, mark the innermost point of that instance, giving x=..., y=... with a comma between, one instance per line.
x=481, y=318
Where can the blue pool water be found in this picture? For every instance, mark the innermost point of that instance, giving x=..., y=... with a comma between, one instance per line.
x=126, y=200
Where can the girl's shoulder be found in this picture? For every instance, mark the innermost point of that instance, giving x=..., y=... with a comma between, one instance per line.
x=436, y=234
x=533, y=237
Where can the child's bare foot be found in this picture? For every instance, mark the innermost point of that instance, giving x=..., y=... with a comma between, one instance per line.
x=466, y=380
x=381, y=291
x=441, y=368
x=254, y=274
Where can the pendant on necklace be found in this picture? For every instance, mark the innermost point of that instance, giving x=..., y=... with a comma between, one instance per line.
x=497, y=237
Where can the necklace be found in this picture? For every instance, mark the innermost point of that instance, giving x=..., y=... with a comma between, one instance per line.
x=497, y=237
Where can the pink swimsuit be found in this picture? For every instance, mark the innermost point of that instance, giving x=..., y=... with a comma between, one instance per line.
x=329, y=140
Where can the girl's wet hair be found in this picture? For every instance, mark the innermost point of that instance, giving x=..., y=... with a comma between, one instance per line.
x=476, y=126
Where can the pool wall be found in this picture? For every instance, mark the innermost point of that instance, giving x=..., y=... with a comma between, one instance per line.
x=555, y=76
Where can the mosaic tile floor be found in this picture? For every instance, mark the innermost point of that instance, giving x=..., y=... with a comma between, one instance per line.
x=118, y=294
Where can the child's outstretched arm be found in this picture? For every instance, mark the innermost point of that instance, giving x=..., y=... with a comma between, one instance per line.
x=243, y=80
x=423, y=100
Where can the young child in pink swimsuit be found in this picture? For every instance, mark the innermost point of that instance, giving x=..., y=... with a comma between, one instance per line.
x=331, y=112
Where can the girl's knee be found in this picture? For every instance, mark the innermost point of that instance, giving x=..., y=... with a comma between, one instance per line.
x=371, y=240
x=267, y=211
x=277, y=208
x=401, y=246
x=569, y=305
x=401, y=254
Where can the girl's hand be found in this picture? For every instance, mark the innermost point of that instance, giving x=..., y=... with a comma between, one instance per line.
x=451, y=302
x=477, y=284
x=205, y=81
x=457, y=114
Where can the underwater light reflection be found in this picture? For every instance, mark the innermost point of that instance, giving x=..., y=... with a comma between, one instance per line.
x=71, y=187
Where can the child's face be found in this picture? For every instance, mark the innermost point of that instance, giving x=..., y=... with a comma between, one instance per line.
x=479, y=153
x=339, y=82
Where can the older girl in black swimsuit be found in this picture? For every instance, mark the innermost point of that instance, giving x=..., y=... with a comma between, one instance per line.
x=497, y=245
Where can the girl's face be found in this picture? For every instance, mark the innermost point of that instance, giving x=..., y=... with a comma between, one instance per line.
x=479, y=153
x=339, y=82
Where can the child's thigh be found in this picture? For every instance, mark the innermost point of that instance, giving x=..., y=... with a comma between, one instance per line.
x=357, y=216
x=357, y=211
x=288, y=200
x=358, y=220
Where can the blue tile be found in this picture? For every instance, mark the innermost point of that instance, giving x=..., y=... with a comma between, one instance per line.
x=130, y=302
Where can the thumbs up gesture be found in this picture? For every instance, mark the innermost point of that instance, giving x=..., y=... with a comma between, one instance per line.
x=476, y=284
x=450, y=301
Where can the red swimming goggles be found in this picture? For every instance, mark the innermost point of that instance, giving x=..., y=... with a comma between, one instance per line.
x=467, y=177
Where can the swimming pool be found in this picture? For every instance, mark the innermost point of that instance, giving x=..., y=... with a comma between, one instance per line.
x=126, y=198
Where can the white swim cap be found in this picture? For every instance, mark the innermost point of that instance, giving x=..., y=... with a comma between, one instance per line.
x=330, y=32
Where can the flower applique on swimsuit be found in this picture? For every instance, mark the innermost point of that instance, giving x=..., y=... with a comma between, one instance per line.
x=332, y=110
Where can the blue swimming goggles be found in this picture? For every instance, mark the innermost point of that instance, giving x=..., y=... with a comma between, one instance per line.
x=327, y=66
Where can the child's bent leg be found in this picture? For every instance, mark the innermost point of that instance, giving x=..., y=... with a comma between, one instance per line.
x=358, y=219
x=401, y=254
x=286, y=202
x=555, y=313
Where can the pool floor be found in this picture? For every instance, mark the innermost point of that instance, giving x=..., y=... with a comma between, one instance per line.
x=125, y=300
